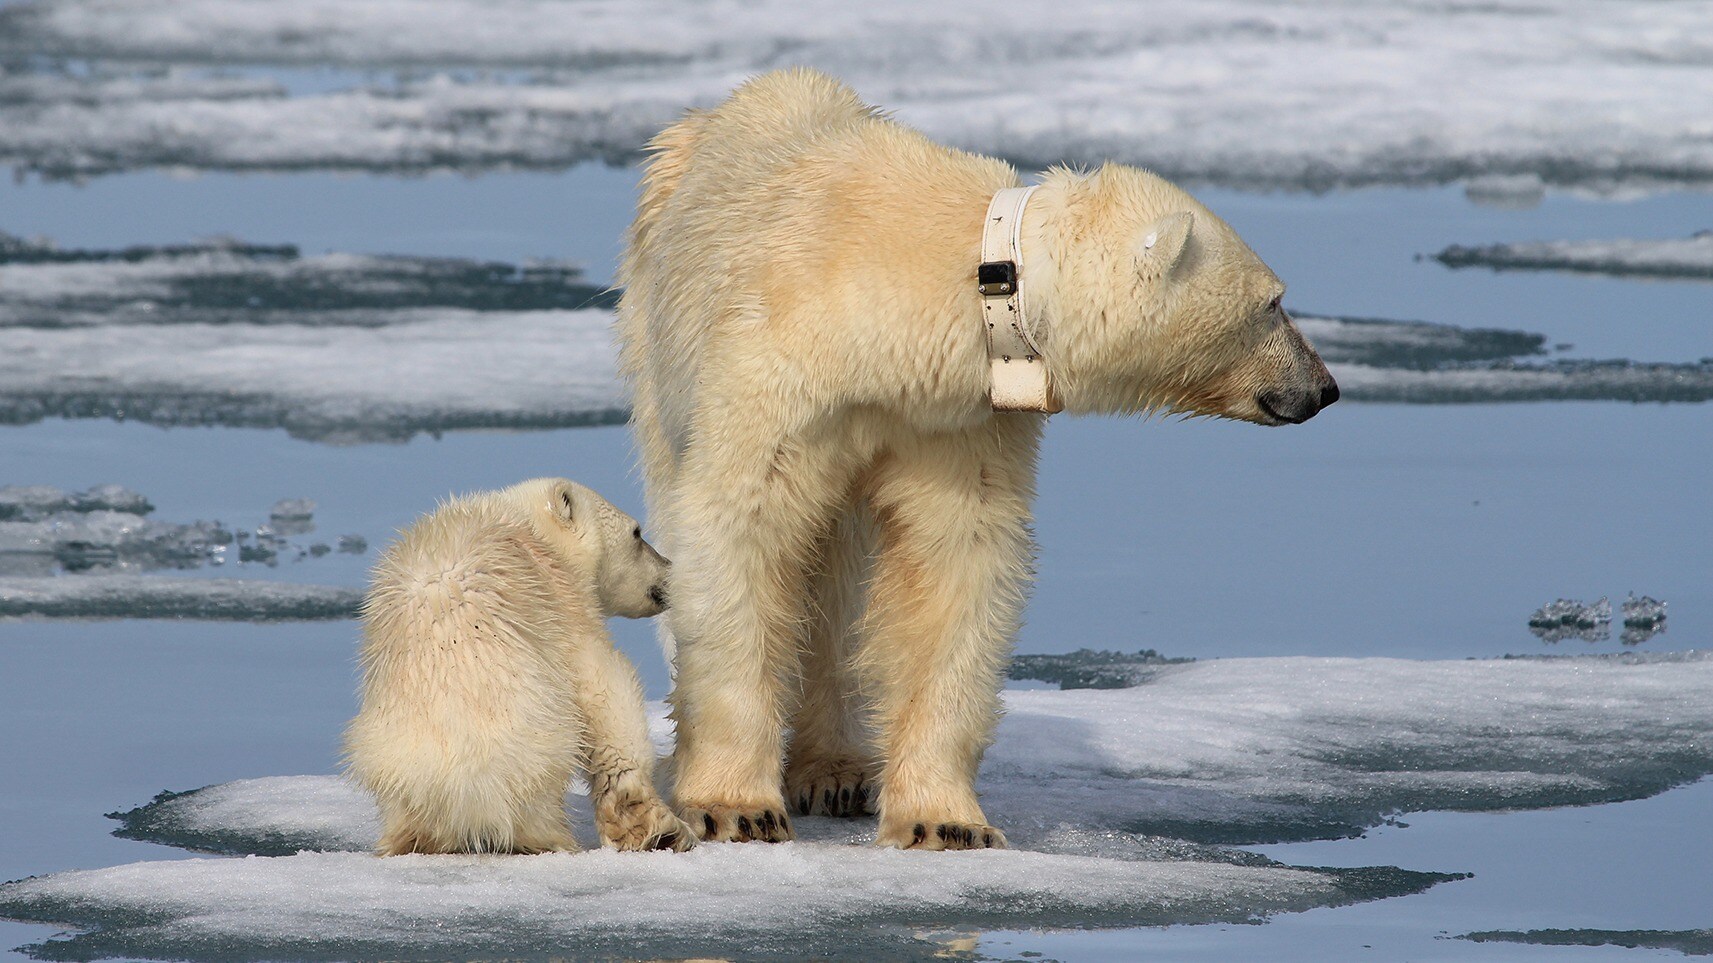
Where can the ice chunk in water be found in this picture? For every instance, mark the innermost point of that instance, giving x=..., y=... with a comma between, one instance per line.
x=1644, y=618
x=1089, y=669
x=1690, y=257
x=31, y=503
x=1570, y=618
x=46, y=531
x=292, y=516
x=159, y=597
x=1687, y=942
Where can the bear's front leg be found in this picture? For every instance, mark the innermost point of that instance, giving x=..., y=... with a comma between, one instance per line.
x=945, y=602
x=745, y=530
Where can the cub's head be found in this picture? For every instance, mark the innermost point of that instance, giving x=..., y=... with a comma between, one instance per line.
x=585, y=529
x=1155, y=304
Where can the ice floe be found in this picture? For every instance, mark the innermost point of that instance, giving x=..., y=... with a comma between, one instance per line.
x=230, y=281
x=1687, y=942
x=362, y=348
x=32, y=503
x=1571, y=619
x=345, y=347
x=1690, y=257
x=1121, y=804
x=158, y=597
x=450, y=369
x=1234, y=91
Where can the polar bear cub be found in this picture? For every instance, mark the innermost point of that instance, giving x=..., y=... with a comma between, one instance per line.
x=489, y=677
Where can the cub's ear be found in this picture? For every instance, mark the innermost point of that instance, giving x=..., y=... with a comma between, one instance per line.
x=1161, y=243
x=564, y=506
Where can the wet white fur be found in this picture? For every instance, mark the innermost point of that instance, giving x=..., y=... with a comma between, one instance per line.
x=848, y=517
x=489, y=676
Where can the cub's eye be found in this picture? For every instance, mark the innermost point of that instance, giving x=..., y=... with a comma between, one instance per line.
x=1274, y=304
x=636, y=533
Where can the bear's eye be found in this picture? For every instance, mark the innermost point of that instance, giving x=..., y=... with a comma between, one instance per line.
x=1273, y=305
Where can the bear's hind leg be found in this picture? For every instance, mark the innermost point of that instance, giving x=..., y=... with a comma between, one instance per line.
x=746, y=528
x=829, y=768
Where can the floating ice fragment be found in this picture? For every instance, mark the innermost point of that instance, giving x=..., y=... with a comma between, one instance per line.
x=1089, y=669
x=158, y=597
x=1569, y=618
x=45, y=531
x=1511, y=192
x=292, y=516
x=31, y=503
x=1644, y=618
x=353, y=544
x=1687, y=942
x=1690, y=257
x=229, y=281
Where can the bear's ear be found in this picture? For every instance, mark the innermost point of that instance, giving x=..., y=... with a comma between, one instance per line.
x=1161, y=243
x=564, y=508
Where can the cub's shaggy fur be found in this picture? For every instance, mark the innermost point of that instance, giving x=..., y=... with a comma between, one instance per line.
x=488, y=677
x=849, y=515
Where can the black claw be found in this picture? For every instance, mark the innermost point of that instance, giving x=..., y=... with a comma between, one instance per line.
x=827, y=797
x=845, y=801
x=743, y=827
x=921, y=834
x=987, y=840
x=666, y=841
x=803, y=805
x=708, y=822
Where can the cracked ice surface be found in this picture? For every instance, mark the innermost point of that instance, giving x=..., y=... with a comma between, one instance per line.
x=1690, y=257
x=1239, y=92
x=1115, y=800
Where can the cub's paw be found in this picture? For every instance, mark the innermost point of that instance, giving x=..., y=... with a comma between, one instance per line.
x=940, y=836
x=632, y=823
x=829, y=787
x=716, y=823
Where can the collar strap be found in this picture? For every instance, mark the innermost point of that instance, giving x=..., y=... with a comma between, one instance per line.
x=1019, y=373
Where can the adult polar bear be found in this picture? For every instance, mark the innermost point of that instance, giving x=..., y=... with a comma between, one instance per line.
x=806, y=345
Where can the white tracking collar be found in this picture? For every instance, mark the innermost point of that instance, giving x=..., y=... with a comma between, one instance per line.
x=1019, y=373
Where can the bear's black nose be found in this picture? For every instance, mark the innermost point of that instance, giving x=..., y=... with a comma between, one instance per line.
x=1329, y=394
